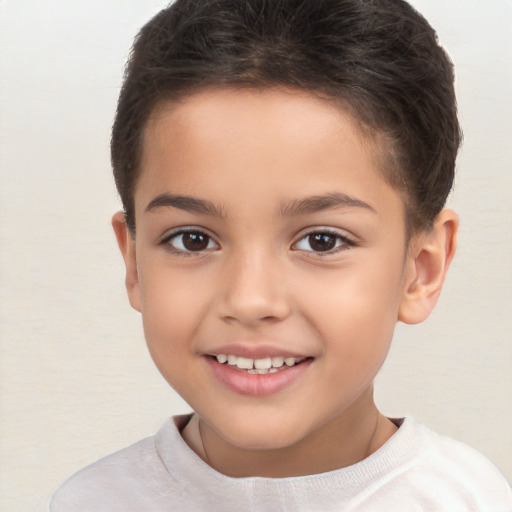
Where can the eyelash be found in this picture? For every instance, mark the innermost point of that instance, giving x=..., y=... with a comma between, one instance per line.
x=346, y=242
x=180, y=252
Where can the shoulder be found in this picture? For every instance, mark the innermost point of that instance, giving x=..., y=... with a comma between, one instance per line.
x=105, y=482
x=437, y=448
x=457, y=472
x=132, y=479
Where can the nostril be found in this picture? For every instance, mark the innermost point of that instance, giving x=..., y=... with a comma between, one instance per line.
x=270, y=318
x=252, y=314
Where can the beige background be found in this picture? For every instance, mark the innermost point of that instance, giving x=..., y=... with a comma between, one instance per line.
x=77, y=382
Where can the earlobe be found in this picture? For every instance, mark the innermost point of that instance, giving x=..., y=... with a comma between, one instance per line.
x=429, y=258
x=126, y=245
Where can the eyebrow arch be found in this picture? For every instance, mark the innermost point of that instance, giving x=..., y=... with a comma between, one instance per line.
x=187, y=203
x=315, y=204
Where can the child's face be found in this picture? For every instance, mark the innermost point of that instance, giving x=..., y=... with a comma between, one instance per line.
x=265, y=229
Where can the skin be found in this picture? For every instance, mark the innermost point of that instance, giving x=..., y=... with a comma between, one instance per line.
x=258, y=280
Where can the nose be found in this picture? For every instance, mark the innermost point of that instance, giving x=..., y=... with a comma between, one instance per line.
x=253, y=290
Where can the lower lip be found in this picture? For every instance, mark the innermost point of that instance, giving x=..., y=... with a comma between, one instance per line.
x=256, y=384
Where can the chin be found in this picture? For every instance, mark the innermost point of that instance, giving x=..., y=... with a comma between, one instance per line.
x=247, y=434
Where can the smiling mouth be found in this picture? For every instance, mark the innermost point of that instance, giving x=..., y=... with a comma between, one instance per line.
x=264, y=366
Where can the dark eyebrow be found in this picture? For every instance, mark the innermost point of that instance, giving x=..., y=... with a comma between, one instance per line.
x=187, y=203
x=315, y=204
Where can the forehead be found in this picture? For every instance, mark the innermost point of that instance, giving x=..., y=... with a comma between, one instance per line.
x=218, y=116
x=224, y=142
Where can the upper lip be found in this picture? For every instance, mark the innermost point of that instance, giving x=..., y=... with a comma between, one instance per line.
x=254, y=351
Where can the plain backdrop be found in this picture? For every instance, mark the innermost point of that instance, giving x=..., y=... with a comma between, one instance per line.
x=77, y=382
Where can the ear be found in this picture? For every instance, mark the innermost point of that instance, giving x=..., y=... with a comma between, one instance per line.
x=430, y=255
x=127, y=246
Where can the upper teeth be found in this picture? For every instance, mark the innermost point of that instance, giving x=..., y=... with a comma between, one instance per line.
x=245, y=363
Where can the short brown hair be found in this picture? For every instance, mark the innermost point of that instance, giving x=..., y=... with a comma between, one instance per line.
x=380, y=57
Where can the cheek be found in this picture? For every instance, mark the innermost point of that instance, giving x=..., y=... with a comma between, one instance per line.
x=357, y=338
x=356, y=309
x=171, y=310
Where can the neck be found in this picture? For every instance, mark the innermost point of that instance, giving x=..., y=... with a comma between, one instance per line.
x=342, y=441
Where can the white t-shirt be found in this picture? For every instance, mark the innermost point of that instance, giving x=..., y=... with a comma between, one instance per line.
x=416, y=470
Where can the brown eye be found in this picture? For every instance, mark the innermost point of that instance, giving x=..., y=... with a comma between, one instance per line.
x=195, y=241
x=321, y=242
x=189, y=241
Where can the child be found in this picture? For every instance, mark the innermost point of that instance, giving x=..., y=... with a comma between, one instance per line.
x=283, y=167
